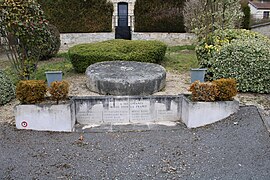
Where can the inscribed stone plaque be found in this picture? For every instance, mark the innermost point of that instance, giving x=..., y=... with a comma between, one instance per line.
x=126, y=110
x=90, y=115
x=118, y=112
x=140, y=111
x=163, y=114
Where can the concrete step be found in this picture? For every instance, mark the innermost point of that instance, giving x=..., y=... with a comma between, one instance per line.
x=129, y=127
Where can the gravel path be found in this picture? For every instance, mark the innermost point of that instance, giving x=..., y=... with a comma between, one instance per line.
x=236, y=148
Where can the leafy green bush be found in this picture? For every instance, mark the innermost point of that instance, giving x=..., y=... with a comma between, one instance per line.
x=7, y=89
x=83, y=55
x=79, y=16
x=159, y=16
x=52, y=46
x=24, y=27
x=239, y=54
x=247, y=61
x=207, y=47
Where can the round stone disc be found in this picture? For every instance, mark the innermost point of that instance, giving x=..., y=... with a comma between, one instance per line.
x=125, y=78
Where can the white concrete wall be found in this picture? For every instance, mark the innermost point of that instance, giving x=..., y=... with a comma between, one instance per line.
x=127, y=109
x=253, y=10
x=170, y=39
x=197, y=114
x=45, y=117
x=70, y=39
x=95, y=111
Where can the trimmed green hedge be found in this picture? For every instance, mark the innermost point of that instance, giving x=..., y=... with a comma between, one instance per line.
x=159, y=16
x=83, y=55
x=7, y=89
x=71, y=16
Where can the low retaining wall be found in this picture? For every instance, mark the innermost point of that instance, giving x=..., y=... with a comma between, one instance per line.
x=172, y=39
x=70, y=39
x=196, y=114
x=95, y=111
x=262, y=28
x=127, y=109
x=122, y=110
x=59, y=117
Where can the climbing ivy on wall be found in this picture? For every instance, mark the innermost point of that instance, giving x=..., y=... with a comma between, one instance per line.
x=159, y=16
x=79, y=15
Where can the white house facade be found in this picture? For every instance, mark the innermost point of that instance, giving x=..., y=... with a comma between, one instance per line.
x=259, y=9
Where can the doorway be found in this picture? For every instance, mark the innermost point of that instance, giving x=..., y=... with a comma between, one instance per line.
x=122, y=30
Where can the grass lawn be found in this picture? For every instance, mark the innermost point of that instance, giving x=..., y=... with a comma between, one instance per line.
x=178, y=59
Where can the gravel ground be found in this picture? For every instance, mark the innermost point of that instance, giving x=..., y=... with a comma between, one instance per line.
x=236, y=148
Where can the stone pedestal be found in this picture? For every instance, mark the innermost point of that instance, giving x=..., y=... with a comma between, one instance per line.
x=125, y=78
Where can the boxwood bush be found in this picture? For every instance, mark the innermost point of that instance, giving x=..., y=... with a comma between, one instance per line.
x=207, y=47
x=248, y=61
x=83, y=55
x=7, y=89
x=239, y=54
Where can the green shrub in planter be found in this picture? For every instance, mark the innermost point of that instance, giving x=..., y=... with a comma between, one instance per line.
x=247, y=61
x=59, y=90
x=83, y=55
x=218, y=90
x=204, y=91
x=7, y=89
x=227, y=89
x=31, y=91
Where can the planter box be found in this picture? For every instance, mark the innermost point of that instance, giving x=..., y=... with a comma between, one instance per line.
x=197, y=74
x=52, y=76
x=196, y=114
x=45, y=117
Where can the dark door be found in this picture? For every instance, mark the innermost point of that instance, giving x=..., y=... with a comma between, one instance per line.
x=122, y=31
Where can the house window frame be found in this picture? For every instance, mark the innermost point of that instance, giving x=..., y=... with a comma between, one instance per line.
x=266, y=14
